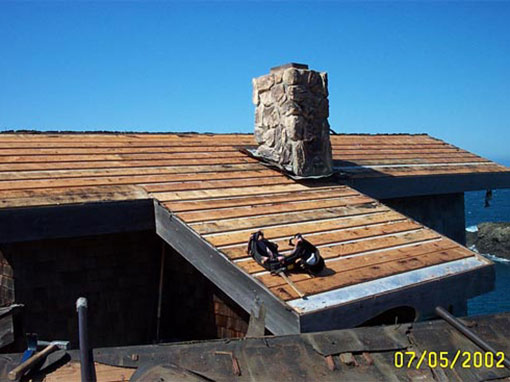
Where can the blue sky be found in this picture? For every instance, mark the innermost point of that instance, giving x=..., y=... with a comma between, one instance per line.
x=437, y=68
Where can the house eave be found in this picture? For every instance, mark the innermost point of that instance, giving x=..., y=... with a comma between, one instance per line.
x=386, y=187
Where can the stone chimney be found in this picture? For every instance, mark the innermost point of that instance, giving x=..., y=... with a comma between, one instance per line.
x=291, y=119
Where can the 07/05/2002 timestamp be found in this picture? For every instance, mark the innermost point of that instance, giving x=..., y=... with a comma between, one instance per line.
x=447, y=360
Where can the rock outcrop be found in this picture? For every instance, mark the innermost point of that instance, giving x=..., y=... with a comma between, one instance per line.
x=491, y=238
x=291, y=119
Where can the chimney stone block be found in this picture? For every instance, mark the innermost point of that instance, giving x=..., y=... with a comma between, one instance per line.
x=291, y=119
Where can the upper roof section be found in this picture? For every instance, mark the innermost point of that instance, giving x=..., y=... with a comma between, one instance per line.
x=363, y=156
x=399, y=165
x=47, y=169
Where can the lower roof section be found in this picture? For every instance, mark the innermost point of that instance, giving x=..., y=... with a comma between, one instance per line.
x=385, y=285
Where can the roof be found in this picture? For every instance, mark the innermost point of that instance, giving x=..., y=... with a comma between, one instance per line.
x=404, y=155
x=362, y=354
x=223, y=195
x=77, y=164
x=395, y=166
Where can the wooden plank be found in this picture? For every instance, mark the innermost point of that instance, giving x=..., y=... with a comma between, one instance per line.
x=432, y=170
x=116, y=157
x=348, y=249
x=383, y=137
x=354, y=147
x=231, y=238
x=342, y=265
x=225, y=193
x=262, y=222
x=411, y=161
x=323, y=284
x=377, y=243
x=115, y=192
x=416, y=169
x=71, y=372
x=352, y=141
x=133, y=179
x=106, y=143
x=124, y=171
x=127, y=190
x=381, y=152
x=121, y=163
x=208, y=204
x=269, y=209
x=99, y=137
x=116, y=150
x=427, y=151
x=124, y=135
x=64, y=199
x=324, y=238
x=217, y=184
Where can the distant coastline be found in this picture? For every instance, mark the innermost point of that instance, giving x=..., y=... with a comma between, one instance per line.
x=490, y=238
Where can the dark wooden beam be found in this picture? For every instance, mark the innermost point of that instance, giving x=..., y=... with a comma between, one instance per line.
x=245, y=290
x=386, y=187
x=55, y=222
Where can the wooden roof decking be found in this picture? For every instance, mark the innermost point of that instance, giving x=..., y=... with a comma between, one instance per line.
x=404, y=155
x=360, y=239
x=224, y=196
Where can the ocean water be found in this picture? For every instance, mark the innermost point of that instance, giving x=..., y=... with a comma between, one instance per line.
x=499, y=211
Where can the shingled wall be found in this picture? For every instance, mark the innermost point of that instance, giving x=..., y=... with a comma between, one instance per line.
x=6, y=282
x=119, y=274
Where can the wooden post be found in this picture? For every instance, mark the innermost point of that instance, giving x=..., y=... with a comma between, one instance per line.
x=160, y=292
x=292, y=285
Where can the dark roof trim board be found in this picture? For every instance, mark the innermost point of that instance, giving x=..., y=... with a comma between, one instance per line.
x=74, y=220
x=396, y=187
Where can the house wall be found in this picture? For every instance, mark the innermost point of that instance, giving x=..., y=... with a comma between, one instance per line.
x=6, y=282
x=119, y=274
x=443, y=213
x=193, y=307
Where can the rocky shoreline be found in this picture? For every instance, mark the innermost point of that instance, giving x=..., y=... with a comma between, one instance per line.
x=491, y=238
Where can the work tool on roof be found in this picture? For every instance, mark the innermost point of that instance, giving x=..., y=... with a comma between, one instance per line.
x=291, y=284
x=24, y=367
x=88, y=371
x=31, y=346
x=457, y=324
